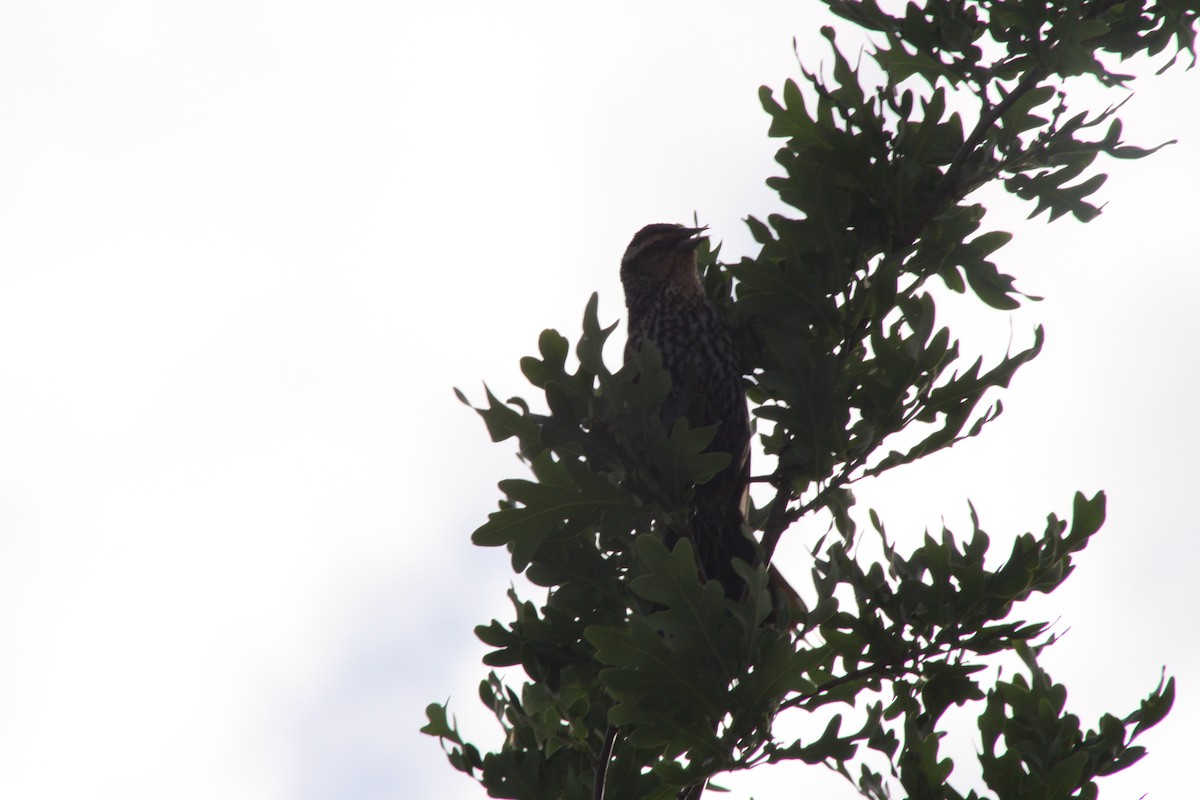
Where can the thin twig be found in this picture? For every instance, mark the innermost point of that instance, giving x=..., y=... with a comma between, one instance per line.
x=610, y=738
x=779, y=519
x=866, y=673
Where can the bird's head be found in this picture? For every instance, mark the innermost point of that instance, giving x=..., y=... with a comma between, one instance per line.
x=661, y=255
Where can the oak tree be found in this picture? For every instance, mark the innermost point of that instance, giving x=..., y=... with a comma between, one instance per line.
x=639, y=678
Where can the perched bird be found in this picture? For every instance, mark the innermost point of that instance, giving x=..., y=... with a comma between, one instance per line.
x=668, y=307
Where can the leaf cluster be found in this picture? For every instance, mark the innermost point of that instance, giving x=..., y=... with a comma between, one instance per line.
x=628, y=637
x=836, y=312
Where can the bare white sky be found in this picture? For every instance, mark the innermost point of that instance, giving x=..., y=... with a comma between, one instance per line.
x=246, y=250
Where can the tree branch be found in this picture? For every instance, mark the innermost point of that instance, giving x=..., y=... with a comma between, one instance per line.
x=949, y=185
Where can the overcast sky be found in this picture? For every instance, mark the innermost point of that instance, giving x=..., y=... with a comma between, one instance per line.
x=246, y=250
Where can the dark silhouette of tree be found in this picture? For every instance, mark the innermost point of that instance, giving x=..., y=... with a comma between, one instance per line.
x=644, y=680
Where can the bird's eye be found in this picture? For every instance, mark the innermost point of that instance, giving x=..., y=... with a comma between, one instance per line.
x=639, y=248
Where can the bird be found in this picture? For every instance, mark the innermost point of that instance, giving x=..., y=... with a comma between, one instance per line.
x=668, y=308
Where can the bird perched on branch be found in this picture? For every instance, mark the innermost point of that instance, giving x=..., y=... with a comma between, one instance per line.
x=668, y=308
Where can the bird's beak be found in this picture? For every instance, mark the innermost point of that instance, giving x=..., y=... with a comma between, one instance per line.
x=690, y=238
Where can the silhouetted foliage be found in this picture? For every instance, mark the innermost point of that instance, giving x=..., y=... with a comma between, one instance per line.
x=849, y=375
